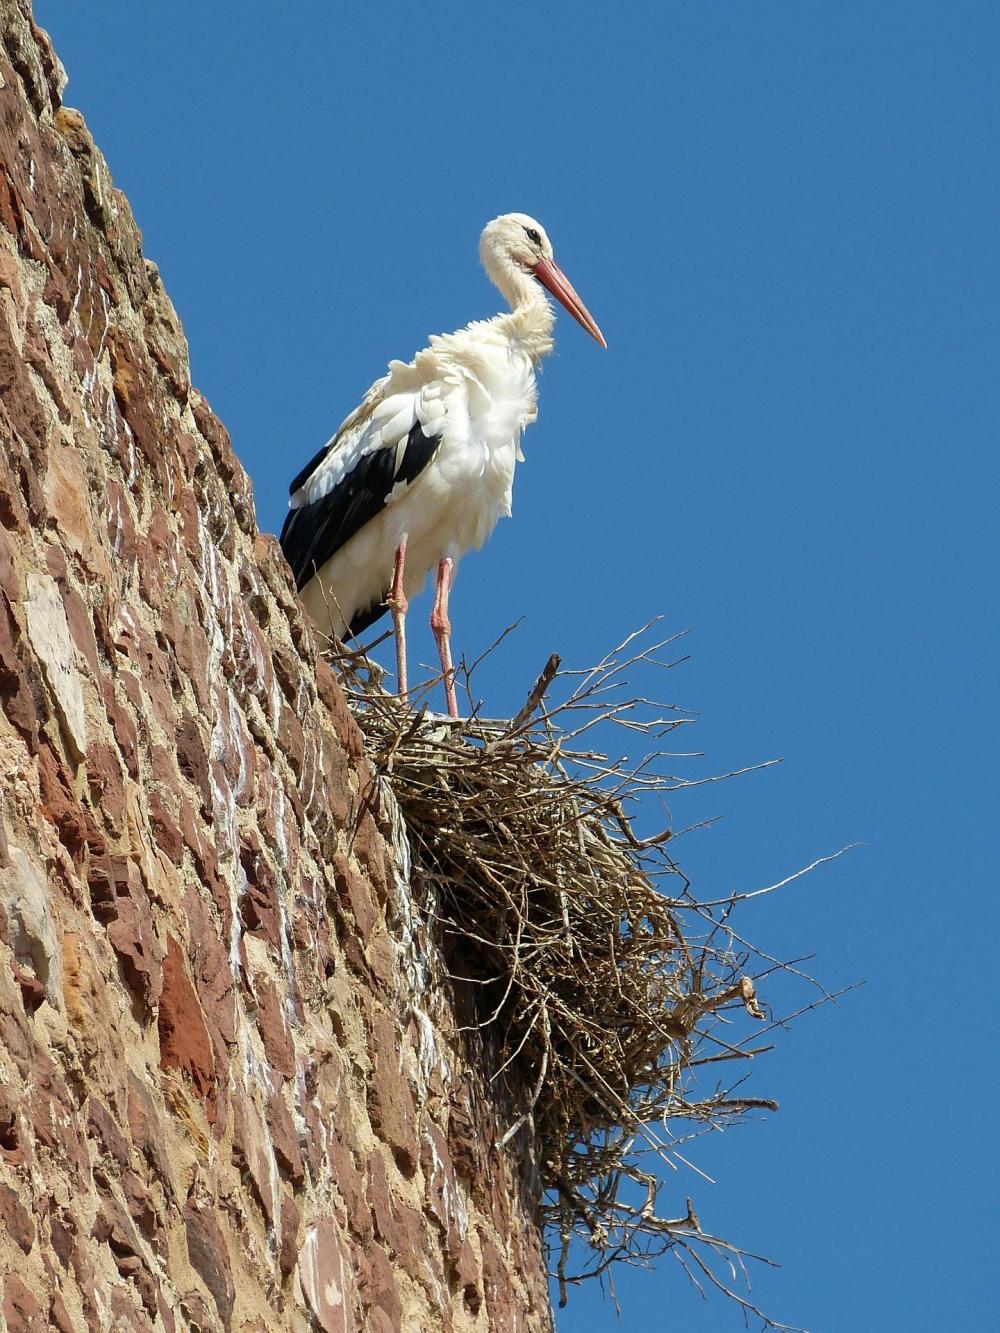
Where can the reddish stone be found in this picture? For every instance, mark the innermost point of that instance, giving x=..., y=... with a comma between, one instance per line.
x=145, y=1127
x=22, y=404
x=102, y=1126
x=332, y=696
x=55, y=292
x=371, y=850
x=249, y=1154
x=251, y=652
x=196, y=1312
x=441, y=1189
x=121, y=525
x=358, y=894
x=311, y=934
x=105, y=644
x=101, y=883
x=465, y=1275
x=59, y=802
x=212, y=971
x=124, y=728
x=9, y=581
x=219, y=787
x=141, y=1207
x=390, y=1102
x=354, y=956
x=134, y=391
x=164, y=337
x=192, y=758
x=270, y=794
x=273, y=1030
x=383, y=960
x=15, y=1219
x=163, y=762
x=132, y=938
x=288, y=672
x=315, y=1137
x=190, y=519
x=113, y=1227
x=189, y=457
x=214, y=432
x=380, y=1291
x=151, y=574
x=209, y=1256
x=165, y=1313
x=33, y=466
x=63, y=1232
x=55, y=562
x=497, y=1288
x=124, y=1315
x=337, y=796
x=32, y=990
x=81, y=628
x=104, y=779
x=190, y=645
x=13, y=514
x=290, y=1218
x=118, y=899
x=155, y=674
x=326, y=1279
x=49, y=1110
x=284, y=1139
x=36, y=354
x=396, y=1223
x=184, y=1040
x=259, y=910
x=216, y=514
x=192, y=831
x=165, y=831
x=291, y=739
x=59, y=1315
x=273, y=568
x=206, y=863
x=464, y=1140
x=351, y=1188
x=238, y=758
x=21, y=1311
x=16, y=696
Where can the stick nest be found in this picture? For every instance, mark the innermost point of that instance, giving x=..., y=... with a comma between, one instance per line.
x=600, y=985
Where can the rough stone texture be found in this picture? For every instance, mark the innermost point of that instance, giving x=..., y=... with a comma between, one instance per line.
x=230, y=1095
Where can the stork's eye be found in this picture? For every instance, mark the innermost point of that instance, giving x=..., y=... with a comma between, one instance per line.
x=532, y=236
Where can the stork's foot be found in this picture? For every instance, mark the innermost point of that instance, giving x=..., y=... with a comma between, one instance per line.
x=441, y=629
x=398, y=605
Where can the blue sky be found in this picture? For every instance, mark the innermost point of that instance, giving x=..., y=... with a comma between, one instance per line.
x=784, y=217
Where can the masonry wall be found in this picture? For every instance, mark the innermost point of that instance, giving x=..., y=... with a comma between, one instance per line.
x=232, y=1095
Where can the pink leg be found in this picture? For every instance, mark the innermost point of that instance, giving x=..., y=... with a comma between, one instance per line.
x=398, y=604
x=441, y=627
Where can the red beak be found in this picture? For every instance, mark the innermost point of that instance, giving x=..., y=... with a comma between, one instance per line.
x=551, y=276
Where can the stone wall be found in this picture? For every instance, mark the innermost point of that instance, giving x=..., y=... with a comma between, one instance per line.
x=232, y=1095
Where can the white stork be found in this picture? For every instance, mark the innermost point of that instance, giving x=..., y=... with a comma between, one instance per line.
x=422, y=469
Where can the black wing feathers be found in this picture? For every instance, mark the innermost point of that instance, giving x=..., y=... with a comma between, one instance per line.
x=314, y=462
x=316, y=532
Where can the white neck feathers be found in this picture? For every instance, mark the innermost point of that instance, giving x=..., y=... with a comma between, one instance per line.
x=531, y=317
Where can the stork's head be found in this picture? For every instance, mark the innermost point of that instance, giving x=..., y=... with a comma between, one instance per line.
x=513, y=245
